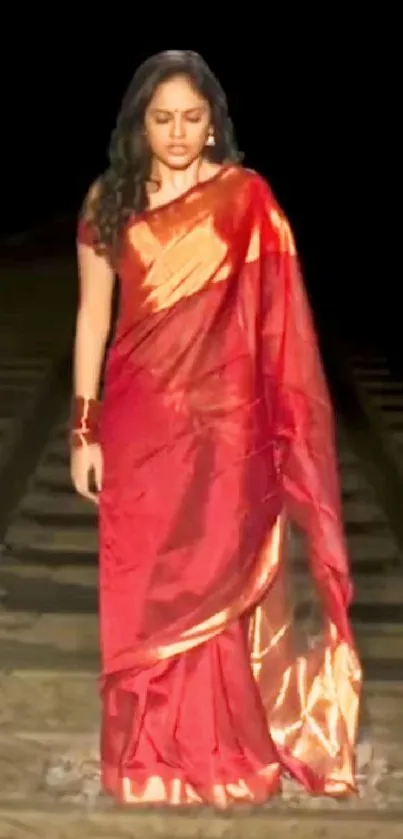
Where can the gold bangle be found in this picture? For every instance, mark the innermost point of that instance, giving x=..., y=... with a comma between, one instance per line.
x=84, y=421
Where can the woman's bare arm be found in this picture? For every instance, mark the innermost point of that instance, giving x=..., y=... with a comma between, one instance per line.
x=93, y=320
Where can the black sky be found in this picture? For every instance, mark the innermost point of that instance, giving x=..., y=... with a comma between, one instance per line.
x=308, y=111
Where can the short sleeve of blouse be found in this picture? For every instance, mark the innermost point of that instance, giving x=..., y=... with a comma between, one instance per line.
x=86, y=233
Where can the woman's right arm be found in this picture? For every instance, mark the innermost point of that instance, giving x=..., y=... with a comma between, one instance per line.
x=93, y=320
x=96, y=281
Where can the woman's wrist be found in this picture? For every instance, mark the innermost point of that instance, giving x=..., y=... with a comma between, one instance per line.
x=84, y=423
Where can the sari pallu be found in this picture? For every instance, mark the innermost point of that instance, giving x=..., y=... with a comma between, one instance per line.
x=226, y=663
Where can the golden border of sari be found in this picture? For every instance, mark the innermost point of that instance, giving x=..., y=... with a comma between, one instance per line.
x=178, y=792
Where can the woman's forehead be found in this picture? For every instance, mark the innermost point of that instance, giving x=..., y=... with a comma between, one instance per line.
x=177, y=94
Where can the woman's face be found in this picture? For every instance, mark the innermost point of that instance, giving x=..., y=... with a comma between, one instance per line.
x=177, y=123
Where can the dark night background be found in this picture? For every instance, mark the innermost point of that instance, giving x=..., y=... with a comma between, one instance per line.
x=313, y=111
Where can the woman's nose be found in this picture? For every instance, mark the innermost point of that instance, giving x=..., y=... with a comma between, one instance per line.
x=178, y=128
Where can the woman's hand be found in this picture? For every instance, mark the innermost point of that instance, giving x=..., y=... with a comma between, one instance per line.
x=86, y=464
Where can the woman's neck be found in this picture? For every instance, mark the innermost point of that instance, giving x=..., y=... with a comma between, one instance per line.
x=176, y=181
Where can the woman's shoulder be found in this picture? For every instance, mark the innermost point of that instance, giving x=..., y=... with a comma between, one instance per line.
x=254, y=190
x=257, y=182
x=86, y=231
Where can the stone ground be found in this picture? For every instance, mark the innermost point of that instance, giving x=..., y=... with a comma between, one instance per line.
x=48, y=632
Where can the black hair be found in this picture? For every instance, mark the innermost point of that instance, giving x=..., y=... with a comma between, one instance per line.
x=122, y=189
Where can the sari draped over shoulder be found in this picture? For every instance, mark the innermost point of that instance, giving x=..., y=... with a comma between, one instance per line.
x=227, y=654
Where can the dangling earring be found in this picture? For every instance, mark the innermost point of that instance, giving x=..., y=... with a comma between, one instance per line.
x=210, y=139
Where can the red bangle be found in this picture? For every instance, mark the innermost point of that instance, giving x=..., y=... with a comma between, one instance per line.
x=84, y=421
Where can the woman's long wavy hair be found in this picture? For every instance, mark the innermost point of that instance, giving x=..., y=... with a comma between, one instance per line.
x=121, y=190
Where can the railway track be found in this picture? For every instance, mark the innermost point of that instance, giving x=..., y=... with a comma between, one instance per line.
x=49, y=645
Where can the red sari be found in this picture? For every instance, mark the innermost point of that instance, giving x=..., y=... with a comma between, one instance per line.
x=217, y=431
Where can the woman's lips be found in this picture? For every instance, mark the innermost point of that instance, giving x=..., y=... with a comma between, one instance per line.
x=177, y=148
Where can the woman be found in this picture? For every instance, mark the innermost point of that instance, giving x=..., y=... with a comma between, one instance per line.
x=215, y=430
